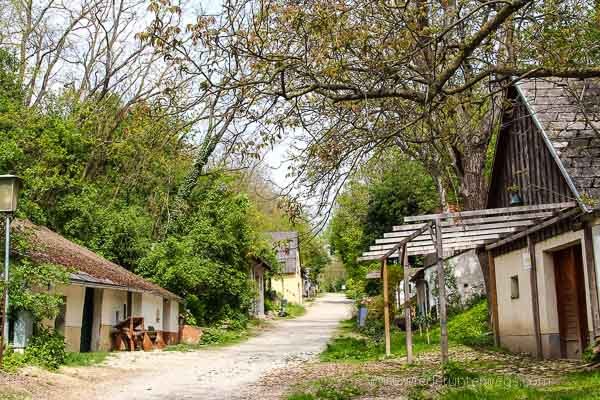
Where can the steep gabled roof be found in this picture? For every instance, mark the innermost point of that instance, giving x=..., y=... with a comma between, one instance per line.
x=46, y=246
x=287, y=249
x=567, y=111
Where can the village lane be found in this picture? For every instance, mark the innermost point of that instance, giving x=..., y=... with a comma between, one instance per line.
x=221, y=373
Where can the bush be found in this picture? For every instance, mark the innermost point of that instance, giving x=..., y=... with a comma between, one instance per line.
x=12, y=361
x=46, y=349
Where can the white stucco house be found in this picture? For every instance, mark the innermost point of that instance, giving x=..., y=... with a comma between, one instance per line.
x=100, y=294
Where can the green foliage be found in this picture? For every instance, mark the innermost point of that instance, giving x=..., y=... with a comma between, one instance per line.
x=468, y=328
x=591, y=353
x=26, y=275
x=453, y=302
x=456, y=375
x=46, y=349
x=386, y=190
x=324, y=389
x=10, y=395
x=350, y=348
x=580, y=386
x=12, y=361
x=471, y=326
x=294, y=310
x=207, y=260
x=85, y=359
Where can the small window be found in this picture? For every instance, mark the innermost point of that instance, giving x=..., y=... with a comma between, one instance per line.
x=514, y=287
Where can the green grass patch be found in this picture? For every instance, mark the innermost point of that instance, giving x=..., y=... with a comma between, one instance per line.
x=85, y=359
x=350, y=346
x=218, y=336
x=325, y=389
x=294, y=310
x=469, y=328
x=11, y=395
x=580, y=386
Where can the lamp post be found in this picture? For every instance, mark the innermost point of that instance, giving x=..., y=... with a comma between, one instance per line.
x=10, y=186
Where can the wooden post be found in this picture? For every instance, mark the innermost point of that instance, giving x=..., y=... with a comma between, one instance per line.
x=493, y=298
x=441, y=291
x=535, y=300
x=590, y=262
x=386, y=309
x=407, y=319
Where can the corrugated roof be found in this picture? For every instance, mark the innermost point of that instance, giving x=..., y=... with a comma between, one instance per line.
x=287, y=249
x=568, y=112
x=46, y=246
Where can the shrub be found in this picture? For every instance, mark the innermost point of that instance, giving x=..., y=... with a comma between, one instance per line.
x=46, y=349
x=12, y=361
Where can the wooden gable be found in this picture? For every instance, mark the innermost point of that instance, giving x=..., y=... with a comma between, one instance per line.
x=523, y=160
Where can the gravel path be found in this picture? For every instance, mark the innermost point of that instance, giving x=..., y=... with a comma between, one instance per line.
x=224, y=373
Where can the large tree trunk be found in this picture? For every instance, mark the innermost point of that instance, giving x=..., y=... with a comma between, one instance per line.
x=473, y=185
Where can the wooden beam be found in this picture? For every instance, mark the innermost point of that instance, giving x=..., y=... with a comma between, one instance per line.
x=493, y=298
x=409, y=227
x=425, y=248
x=507, y=229
x=448, y=241
x=407, y=316
x=535, y=228
x=478, y=221
x=407, y=239
x=386, y=308
x=441, y=292
x=491, y=211
x=535, y=299
x=590, y=262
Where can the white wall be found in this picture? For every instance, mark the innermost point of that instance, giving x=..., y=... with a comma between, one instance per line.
x=74, y=306
x=172, y=324
x=468, y=274
x=515, y=316
x=152, y=308
x=113, y=301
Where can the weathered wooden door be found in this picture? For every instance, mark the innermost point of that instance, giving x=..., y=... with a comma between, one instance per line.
x=571, y=302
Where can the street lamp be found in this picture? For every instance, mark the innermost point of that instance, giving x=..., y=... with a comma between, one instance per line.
x=10, y=186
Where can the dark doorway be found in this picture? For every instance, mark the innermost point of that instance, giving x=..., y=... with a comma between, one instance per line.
x=129, y=304
x=570, y=299
x=87, y=321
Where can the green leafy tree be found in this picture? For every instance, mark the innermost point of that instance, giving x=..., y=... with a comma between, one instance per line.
x=208, y=260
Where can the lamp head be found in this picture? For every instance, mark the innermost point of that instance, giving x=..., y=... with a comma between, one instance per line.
x=515, y=200
x=10, y=186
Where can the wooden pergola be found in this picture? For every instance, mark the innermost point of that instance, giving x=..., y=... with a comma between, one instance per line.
x=450, y=232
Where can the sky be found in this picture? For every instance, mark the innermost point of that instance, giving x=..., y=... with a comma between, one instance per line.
x=274, y=160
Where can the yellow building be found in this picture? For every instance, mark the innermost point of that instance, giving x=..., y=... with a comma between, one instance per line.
x=289, y=284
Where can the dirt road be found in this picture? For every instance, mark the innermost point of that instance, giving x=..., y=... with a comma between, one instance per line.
x=214, y=374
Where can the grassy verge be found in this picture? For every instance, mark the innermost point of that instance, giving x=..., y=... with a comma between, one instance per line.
x=11, y=395
x=468, y=328
x=295, y=310
x=217, y=337
x=326, y=389
x=480, y=385
x=85, y=359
